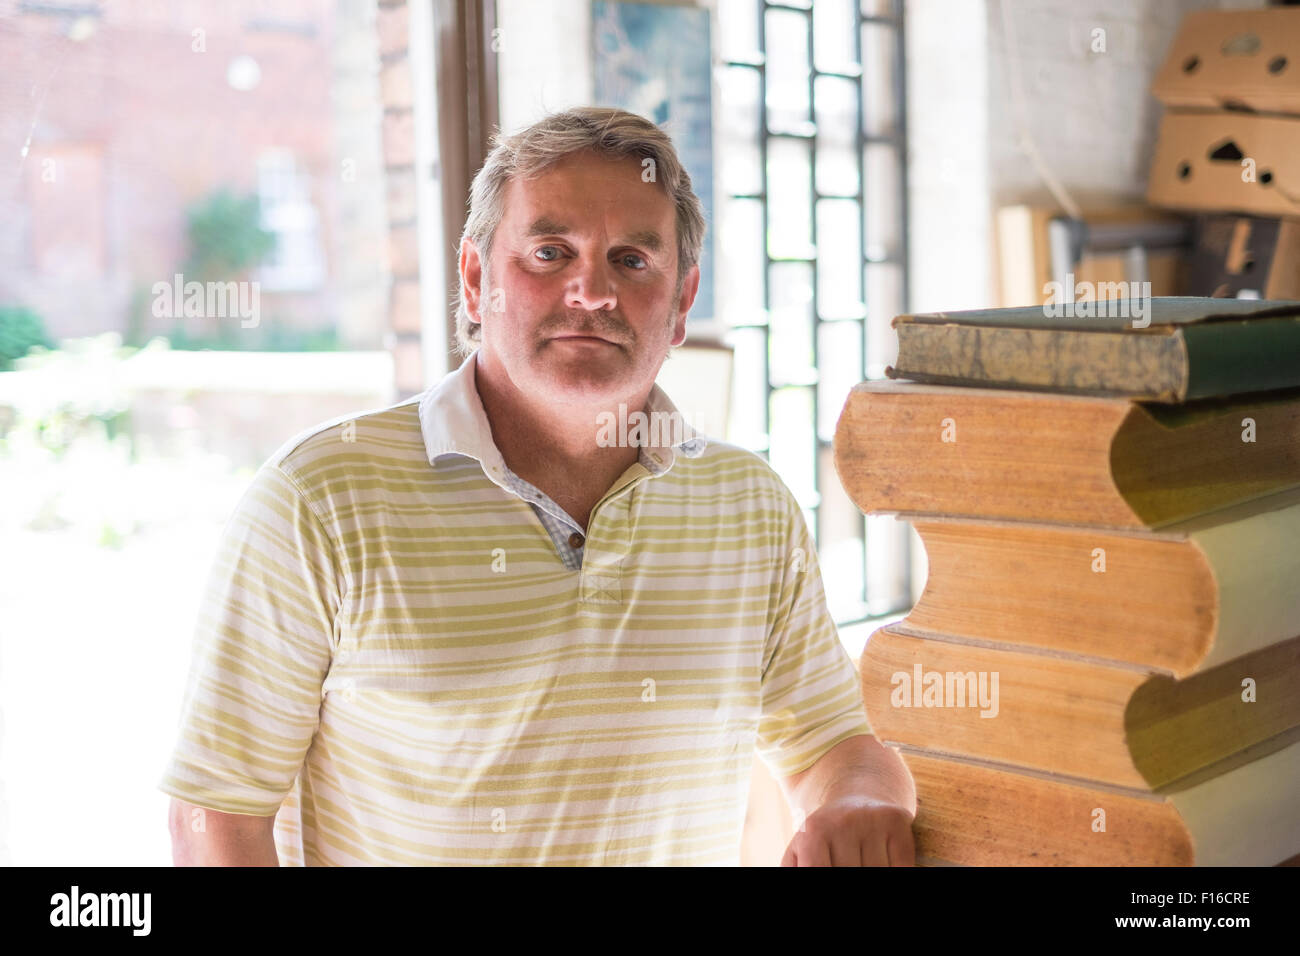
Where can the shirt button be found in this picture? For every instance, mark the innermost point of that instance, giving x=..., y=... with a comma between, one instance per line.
x=576, y=541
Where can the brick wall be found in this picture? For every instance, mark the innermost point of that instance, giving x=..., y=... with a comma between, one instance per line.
x=131, y=118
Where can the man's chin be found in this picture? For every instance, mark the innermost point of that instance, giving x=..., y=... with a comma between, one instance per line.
x=585, y=380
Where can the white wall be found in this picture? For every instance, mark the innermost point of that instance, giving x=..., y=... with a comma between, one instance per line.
x=1089, y=115
x=948, y=154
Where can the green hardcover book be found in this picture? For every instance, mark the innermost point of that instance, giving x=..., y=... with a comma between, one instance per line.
x=1172, y=349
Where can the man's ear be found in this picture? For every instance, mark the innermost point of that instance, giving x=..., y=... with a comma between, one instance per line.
x=471, y=274
x=690, y=286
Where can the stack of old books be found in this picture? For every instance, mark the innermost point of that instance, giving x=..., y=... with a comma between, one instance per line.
x=1102, y=668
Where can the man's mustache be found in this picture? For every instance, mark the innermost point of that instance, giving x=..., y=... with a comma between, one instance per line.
x=601, y=326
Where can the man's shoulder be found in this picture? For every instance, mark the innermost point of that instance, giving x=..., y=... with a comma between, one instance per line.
x=721, y=453
x=726, y=464
x=374, y=439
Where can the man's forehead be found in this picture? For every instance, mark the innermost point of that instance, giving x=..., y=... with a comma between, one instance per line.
x=585, y=174
x=557, y=225
x=558, y=205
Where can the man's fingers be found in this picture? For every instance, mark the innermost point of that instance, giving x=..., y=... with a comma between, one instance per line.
x=875, y=850
x=876, y=842
x=846, y=850
x=814, y=852
x=902, y=849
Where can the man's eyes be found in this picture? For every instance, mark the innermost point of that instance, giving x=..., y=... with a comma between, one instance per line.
x=627, y=255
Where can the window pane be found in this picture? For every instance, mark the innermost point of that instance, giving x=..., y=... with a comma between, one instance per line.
x=886, y=564
x=884, y=301
x=749, y=389
x=840, y=547
x=741, y=168
x=839, y=344
x=879, y=68
x=837, y=131
x=839, y=259
x=738, y=28
x=884, y=205
x=740, y=130
x=787, y=70
x=792, y=322
x=793, y=450
x=741, y=114
x=202, y=216
x=833, y=23
x=879, y=8
x=740, y=250
x=789, y=189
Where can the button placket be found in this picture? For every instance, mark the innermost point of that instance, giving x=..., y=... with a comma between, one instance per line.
x=602, y=574
x=344, y=653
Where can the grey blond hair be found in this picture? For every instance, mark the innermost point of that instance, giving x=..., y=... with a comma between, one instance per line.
x=613, y=133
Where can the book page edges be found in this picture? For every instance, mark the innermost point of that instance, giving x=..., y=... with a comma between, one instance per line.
x=1256, y=562
x=1246, y=816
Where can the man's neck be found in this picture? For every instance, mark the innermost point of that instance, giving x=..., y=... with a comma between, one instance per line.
x=554, y=449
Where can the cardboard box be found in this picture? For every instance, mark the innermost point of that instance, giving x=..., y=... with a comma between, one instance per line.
x=1234, y=59
x=1227, y=162
x=1246, y=257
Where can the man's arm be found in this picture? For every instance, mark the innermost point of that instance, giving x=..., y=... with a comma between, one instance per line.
x=202, y=837
x=261, y=652
x=853, y=807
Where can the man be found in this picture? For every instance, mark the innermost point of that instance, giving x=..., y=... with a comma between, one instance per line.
x=475, y=628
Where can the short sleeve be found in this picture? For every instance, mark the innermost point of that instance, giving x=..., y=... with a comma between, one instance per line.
x=811, y=697
x=261, y=650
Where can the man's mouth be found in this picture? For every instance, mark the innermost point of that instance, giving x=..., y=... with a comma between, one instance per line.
x=574, y=337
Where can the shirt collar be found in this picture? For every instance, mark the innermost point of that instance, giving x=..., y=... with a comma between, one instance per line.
x=453, y=422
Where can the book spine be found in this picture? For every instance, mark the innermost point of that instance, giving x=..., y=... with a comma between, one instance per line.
x=1252, y=355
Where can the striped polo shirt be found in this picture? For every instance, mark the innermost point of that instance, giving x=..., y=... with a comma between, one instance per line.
x=395, y=657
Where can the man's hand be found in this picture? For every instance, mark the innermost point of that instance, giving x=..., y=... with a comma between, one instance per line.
x=853, y=831
x=859, y=801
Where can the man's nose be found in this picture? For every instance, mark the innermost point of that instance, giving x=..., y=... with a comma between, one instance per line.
x=591, y=285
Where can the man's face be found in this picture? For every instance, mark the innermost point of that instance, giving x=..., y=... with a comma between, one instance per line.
x=584, y=270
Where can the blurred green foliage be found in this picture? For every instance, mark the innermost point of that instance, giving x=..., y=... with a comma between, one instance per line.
x=226, y=236
x=20, y=329
x=271, y=337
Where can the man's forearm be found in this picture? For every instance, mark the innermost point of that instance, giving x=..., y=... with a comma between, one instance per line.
x=859, y=766
x=230, y=850
x=223, y=839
